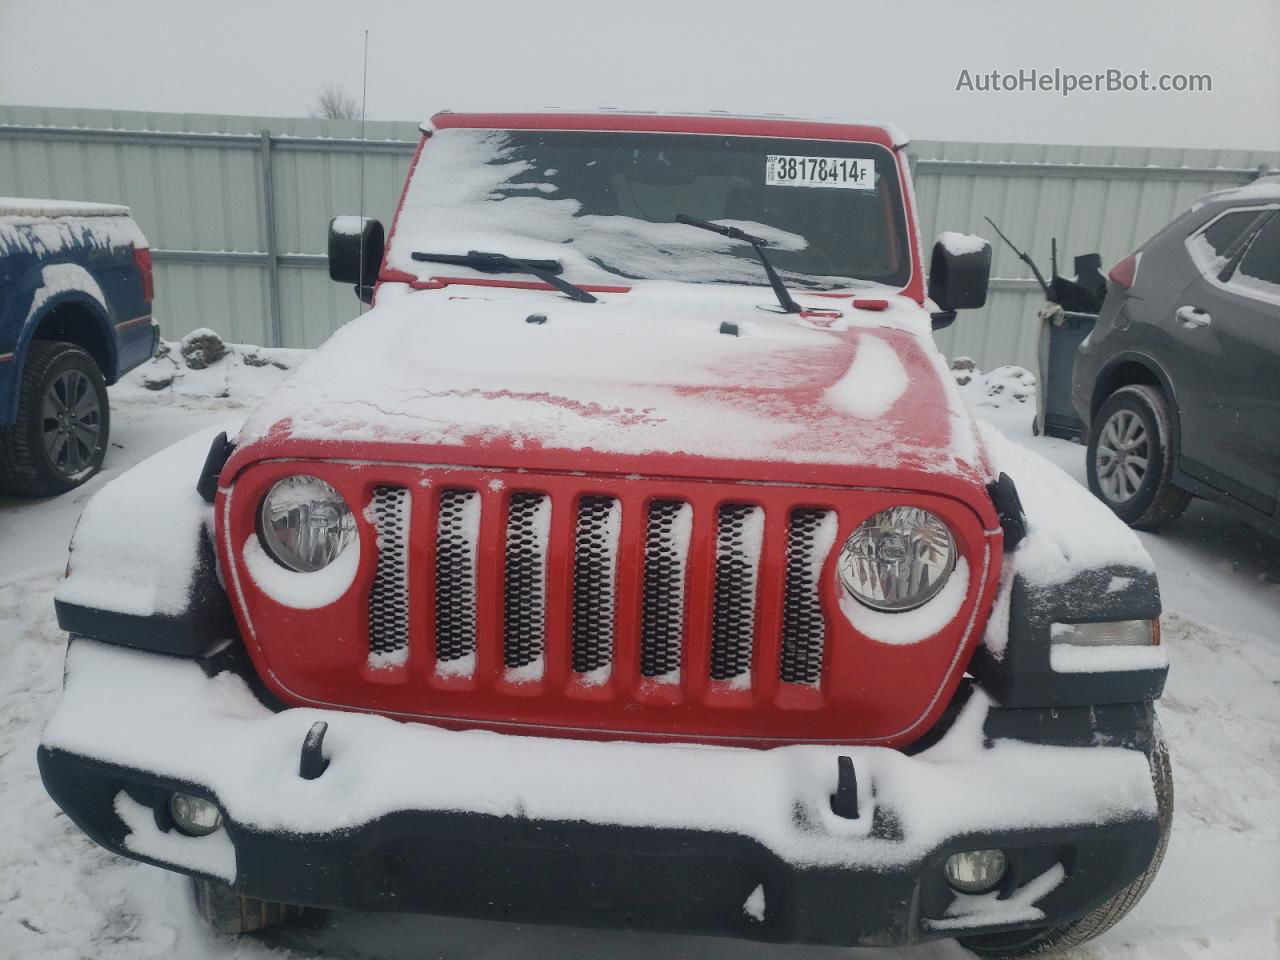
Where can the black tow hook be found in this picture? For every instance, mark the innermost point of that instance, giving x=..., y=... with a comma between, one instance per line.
x=313, y=762
x=844, y=802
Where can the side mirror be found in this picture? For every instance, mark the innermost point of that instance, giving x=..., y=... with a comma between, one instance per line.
x=959, y=273
x=355, y=253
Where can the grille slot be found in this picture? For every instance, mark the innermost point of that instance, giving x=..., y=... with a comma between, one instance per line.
x=666, y=550
x=739, y=533
x=594, y=578
x=389, y=597
x=524, y=588
x=457, y=532
x=811, y=534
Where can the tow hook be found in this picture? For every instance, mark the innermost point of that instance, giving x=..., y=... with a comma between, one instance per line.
x=844, y=802
x=312, y=762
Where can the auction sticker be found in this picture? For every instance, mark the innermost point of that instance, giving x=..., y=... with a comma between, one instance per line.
x=848, y=174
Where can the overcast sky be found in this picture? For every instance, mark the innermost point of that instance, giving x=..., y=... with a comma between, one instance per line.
x=881, y=60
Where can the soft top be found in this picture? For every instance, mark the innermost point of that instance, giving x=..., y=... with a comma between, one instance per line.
x=643, y=122
x=31, y=207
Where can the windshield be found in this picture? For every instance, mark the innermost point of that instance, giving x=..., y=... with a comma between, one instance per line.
x=604, y=205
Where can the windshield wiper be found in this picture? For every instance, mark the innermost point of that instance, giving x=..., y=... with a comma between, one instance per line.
x=544, y=270
x=758, y=244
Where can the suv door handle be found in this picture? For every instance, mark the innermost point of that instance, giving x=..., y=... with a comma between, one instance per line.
x=1193, y=317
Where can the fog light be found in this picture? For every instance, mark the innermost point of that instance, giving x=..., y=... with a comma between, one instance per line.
x=976, y=871
x=194, y=816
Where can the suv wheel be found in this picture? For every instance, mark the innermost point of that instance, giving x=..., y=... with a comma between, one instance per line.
x=60, y=435
x=1049, y=940
x=1130, y=463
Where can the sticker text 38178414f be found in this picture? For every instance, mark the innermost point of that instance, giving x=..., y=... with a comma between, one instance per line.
x=849, y=174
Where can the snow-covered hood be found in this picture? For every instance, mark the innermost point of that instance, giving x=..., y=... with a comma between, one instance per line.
x=644, y=382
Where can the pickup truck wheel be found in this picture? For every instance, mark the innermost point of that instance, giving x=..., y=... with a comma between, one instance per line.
x=1130, y=460
x=1049, y=940
x=228, y=912
x=60, y=435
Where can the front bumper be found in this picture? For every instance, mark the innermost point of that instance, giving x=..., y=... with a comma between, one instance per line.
x=710, y=840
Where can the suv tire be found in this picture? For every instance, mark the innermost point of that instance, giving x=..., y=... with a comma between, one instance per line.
x=60, y=435
x=1130, y=458
x=1050, y=940
x=228, y=912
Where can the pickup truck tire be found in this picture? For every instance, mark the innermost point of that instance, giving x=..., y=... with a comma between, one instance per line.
x=1134, y=426
x=228, y=912
x=1050, y=940
x=60, y=435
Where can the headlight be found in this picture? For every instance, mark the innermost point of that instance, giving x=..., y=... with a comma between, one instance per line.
x=897, y=559
x=304, y=524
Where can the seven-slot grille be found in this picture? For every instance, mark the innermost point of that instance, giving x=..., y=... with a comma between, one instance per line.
x=664, y=552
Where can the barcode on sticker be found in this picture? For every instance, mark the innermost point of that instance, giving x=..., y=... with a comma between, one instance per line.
x=843, y=172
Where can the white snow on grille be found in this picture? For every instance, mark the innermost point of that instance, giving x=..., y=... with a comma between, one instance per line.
x=525, y=586
x=388, y=513
x=457, y=537
x=595, y=563
x=739, y=538
x=669, y=526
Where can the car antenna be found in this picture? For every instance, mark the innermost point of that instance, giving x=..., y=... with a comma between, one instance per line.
x=364, y=100
x=1022, y=256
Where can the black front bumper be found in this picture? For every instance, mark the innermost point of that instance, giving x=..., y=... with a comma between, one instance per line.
x=536, y=869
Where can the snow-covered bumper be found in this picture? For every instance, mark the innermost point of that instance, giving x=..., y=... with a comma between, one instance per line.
x=706, y=839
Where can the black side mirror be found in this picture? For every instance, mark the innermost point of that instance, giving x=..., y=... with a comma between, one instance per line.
x=959, y=273
x=355, y=253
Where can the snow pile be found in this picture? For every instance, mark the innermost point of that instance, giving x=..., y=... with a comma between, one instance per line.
x=201, y=367
x=1003, y=387
x=136, y=542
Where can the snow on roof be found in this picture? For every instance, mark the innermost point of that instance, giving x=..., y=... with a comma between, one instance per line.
x=1264, y=188
x=32, y=207
x=894, y=136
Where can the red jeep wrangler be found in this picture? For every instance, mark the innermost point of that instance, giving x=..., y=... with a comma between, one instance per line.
x=633, y=562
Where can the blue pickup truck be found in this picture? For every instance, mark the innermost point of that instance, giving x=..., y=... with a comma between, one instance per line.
x=75, y=315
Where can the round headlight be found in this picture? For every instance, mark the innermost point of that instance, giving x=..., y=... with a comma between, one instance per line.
x=897, y=559
x=304, y=523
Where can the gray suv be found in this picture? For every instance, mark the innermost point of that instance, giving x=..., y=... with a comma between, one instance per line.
x=1179, y=384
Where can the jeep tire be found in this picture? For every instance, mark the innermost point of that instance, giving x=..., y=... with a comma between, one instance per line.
x=1130, y=458
x=60, y=435
x=1049, y=940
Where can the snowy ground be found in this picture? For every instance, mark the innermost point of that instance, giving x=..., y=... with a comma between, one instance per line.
x=1217, y=897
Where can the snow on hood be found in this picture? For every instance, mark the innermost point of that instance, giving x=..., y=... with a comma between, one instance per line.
x=645, y=372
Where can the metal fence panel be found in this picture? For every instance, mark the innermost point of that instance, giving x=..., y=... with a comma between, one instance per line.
x=202, y=201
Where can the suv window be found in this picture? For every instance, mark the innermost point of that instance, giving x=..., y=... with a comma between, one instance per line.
x=1262, y=261
x=1226, y=229
x=604, y=203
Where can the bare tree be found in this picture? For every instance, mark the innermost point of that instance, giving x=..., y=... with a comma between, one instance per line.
x=334, y=104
